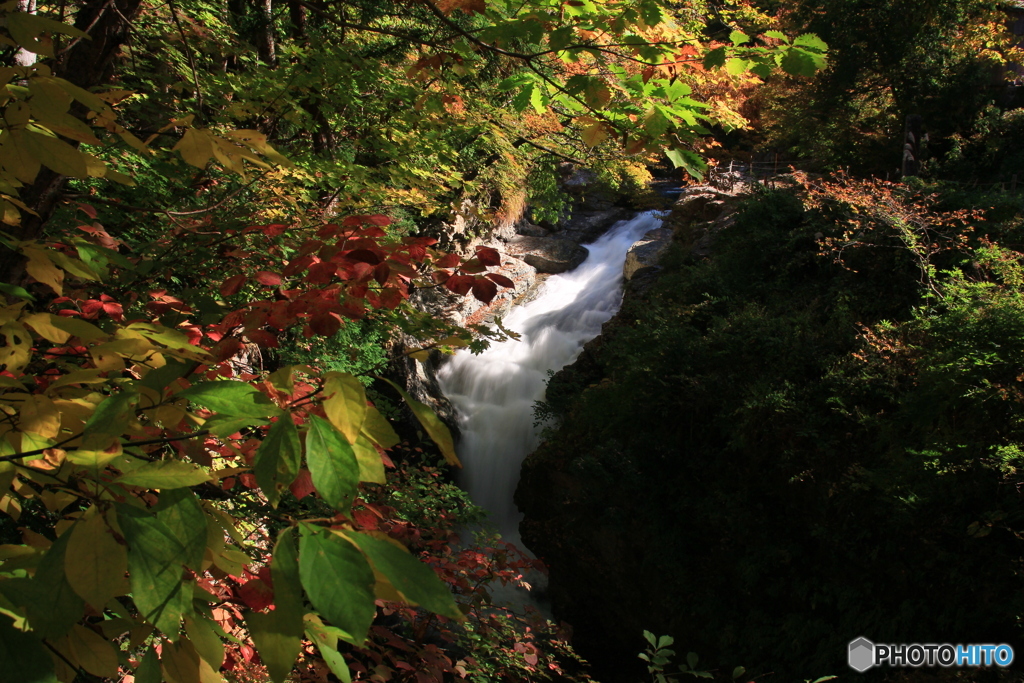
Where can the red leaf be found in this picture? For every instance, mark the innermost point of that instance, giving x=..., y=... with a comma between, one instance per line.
x=365, y=255
x=263, y=338
x=488, y=256
x=303, y=484
x=256, y=594
x=484, y=289
x=325, y=324
x=321, y=273
x=448, y=261
x=460, y=284
x=297, y=265
x=91, y=309
x=391, y=297
x=500, y=279
x=353, y=309
x=267, y=278
x=381, y=273
x=87, y=209
x=232, y=285
x=379, y=219
x=114, y=310
x=273, y=230
x=226, y=348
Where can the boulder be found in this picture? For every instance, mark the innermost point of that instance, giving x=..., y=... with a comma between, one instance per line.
x=646, y=252
x=547, y=254
x=586, y=226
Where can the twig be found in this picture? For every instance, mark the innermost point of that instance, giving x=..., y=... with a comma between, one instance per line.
x=191, y=57
x=146, y=442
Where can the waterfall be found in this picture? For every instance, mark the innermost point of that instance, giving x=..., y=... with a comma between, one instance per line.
x=494, y=391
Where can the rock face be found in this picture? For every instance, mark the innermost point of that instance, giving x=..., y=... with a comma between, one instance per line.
x=647, y=251
x=550, y=255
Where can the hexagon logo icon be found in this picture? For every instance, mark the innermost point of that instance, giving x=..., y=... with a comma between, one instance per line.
x=862, y=654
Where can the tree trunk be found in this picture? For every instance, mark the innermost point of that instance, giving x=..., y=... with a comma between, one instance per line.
x=266, y=41
x=23, y=57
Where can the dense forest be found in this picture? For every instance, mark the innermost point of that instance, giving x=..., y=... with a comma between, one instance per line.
x=221, y=223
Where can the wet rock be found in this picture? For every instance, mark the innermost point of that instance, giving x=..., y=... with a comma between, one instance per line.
x=646, y=252
x=547, y=254
x=586, y=226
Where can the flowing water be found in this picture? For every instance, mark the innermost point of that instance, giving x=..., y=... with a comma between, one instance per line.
x=494, y=392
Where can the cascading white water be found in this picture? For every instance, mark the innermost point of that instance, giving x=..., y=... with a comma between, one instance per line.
x=494, y=392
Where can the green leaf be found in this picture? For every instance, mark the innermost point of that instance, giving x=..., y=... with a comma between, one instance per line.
x=203, y=634
x=278, y=634
x=691, y=659
x=738, y=671
x=225, y=425
x=778, y=35
x=110, y=419
x=332, y=464
x=715, y=58
x=538, y=100
x=155, y=565
x=278, y=459
x=180, y=511
x=736, y=66
x=327, y=643
x=54, y=606
x=230, y=397
x=23, y=656
x=738, y=38
x=811, y=42
x=337, y=579
x=433, y=426
x=148, y=670
x=412, y=578
x=798, y=63
x=665, y=641
x=165, y=474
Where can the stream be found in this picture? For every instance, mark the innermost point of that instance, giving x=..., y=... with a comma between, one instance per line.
x=494, y=392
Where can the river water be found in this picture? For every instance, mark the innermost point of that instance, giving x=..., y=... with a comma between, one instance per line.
x=494, y=392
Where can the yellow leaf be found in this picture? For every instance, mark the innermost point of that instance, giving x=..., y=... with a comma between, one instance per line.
x=56, y=154
x=94, y=652
x=595, y=135
x=15, y=354
x=9, y=313
x=195, y=147
x=95, y=562
x=42, y=323
x=378, y=429
x=74, y=412
x=371, y=467
x=17, y=158
x=77, y=377
x=345, y=406
x=10, y=506
x=42, y=269
x=433, y=426
x=78, y=328
x=40, y=416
